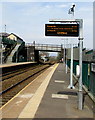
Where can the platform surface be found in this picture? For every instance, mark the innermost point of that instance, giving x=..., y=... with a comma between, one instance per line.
x=58, y=101
x=14, y=64
x=32, y=92
x=50, y=99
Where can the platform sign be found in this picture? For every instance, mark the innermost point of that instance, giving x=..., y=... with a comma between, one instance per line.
x=66, y=30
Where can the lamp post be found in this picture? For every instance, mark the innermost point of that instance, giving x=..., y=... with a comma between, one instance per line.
x=71, y=10
x=66, y=55
x=71, y=70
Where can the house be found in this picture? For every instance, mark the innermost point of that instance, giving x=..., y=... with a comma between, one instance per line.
x=13, y=36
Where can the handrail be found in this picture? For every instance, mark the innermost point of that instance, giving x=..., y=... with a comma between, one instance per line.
x=48, y=47
x=31, y=44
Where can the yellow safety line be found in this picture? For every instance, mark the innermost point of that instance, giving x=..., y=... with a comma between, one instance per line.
x=22, y=90
x=36, y=99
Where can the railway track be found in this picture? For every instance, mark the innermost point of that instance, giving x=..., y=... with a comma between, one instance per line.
x=12, y=85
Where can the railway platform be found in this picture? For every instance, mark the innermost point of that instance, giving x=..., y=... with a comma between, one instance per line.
x=48, y=96
x=15, y=64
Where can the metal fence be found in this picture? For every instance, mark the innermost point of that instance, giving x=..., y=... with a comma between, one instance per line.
x=88, y=76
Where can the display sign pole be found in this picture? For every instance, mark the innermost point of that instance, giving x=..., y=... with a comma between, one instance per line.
x=71, y=70
x=80, y=21
x=64, y=51
x=80, y=92
x=66, y=56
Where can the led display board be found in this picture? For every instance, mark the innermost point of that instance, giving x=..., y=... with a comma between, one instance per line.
x=65, y=30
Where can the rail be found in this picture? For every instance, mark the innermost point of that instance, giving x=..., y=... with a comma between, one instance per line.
x=11, y=87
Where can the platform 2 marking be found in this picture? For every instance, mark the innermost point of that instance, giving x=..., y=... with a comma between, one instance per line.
x=59, y=96
x=26, y=96
x=59, y=81
x=18, y=102
x=60, y=71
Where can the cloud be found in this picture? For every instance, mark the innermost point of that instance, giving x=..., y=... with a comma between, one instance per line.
x=87, y=9
x=30, y=17
x=43, y=8
x=63, y=6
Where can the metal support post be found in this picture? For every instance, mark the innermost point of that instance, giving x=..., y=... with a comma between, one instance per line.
x=27, y=53
x=63, y=56
x=71, y=70
x=1, y=53
x=16, y=56
x=64, y=51
x=80, y=93
x=66, y=65
x=66, y=55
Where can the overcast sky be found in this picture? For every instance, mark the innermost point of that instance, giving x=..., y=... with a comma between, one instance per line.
x=27, y=19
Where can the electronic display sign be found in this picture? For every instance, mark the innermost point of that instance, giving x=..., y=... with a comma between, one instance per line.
x=66, y=30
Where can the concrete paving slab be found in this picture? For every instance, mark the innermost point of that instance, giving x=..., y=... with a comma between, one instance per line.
x=58, y=107
x=16, y=105
x=40, y=105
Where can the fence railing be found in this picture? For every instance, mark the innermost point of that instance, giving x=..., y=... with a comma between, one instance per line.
x=88, y=76
x=48, y=47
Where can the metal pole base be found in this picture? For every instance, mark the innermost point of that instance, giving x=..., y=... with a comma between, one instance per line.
x=71, y=87
x=66, y=69
x=80, y=100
